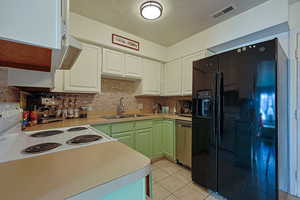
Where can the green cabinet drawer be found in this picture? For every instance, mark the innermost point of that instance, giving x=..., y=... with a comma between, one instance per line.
x=143, y=124
x=105, y=128
x=122, y=127
x=143, y=141
x=126, y=138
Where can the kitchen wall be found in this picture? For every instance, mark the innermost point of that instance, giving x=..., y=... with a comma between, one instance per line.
x=254, y=20
x=112, y=91
x=7, y=94
x=98, y=33
x=294, y=22
x=106, y=102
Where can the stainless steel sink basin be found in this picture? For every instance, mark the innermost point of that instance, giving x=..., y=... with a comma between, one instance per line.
x=123, y=116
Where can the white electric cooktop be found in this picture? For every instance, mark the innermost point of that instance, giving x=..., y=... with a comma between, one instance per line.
x=35, y=143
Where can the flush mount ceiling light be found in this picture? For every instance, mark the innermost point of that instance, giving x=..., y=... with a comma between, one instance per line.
x=151, y=10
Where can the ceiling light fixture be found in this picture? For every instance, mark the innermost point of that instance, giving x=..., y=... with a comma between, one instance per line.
x=151, y=10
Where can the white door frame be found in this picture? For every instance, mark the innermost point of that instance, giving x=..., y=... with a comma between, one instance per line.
x=297, y=65
x=294, y=108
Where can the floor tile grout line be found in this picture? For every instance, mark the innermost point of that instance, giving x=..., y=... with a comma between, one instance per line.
x=173, y=174
x=173, y=193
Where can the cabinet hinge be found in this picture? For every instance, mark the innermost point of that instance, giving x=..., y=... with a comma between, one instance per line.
x=296, y=175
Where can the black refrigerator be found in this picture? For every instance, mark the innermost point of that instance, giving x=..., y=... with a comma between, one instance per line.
x=238, y=98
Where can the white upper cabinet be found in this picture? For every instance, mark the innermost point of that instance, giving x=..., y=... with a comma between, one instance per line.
x=173, y=78
x=113, y=63
x=133, y=66
x=33, y=22
x=86, y=72
x=187, y=72
x=151, y=81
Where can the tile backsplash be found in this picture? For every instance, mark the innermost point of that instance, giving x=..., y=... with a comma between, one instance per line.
x=106, y=102
x=7, y=94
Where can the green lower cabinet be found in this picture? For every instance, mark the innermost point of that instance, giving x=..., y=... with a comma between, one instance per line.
x=143, y=141
x=122, y=127
x=168, y=130
x=153, y=138
x=105, y=128
x=126, y=138
x=157, y=139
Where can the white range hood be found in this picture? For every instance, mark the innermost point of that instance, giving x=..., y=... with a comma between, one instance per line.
x=70, y=47
x=69, y=53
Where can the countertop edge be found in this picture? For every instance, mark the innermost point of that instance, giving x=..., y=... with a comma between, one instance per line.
x=106, y=188
x=100, y=121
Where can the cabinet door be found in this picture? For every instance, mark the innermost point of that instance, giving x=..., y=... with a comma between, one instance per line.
x=169, y=139
x=133, y=66
x=173, y=78
x=157, y=139
x=85, y=73
x=113, y=63
x=187, y=72
x=143, y=142
x=32, y=22
x=151, y=77
x=126, y=138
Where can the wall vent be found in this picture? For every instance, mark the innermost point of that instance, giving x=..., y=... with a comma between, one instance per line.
x=224, y=11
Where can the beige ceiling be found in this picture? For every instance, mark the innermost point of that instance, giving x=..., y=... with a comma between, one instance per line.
x=181, y=18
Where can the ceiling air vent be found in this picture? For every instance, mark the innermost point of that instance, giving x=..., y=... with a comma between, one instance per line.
x=224, y=11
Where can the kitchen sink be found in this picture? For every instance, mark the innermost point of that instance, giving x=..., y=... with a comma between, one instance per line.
x=123, y=116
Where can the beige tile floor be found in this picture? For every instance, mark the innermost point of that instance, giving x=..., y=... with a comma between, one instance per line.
x=173, y=182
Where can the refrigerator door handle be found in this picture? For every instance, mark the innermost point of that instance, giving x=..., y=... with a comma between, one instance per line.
x=214, y=111
x=219, y=103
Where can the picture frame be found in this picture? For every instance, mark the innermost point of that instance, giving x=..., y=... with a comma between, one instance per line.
x=125, y=42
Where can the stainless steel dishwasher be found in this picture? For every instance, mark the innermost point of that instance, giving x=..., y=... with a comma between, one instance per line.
x=184, y=142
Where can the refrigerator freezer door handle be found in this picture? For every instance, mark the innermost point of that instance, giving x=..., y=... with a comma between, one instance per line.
x=219, y=112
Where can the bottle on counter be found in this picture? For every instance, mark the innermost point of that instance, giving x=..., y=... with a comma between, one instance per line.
x=59, y=111
x=71, y=109
x=65, y=109
x=76, y=109
x=83, y=111
x=25, y=121
x=34, y=117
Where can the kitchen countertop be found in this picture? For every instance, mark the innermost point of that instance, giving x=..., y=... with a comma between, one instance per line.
x=63, y=174
x=100, y=120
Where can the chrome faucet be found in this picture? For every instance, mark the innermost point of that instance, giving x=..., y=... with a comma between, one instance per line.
x=121, y=107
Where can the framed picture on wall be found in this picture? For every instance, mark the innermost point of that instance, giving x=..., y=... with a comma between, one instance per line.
x=125, y=42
